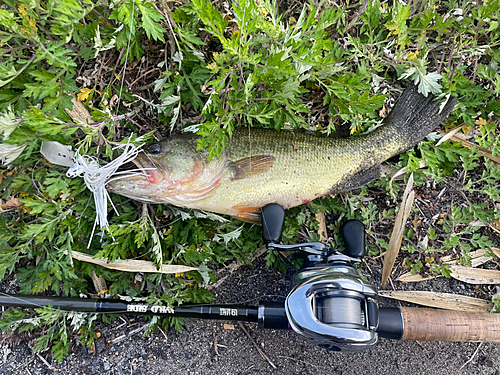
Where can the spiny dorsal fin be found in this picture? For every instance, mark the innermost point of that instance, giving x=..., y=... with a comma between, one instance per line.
x=251, y=166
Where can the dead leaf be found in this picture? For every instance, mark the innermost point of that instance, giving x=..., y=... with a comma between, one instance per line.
x=477, y=223
x=99, y=283
x=413, y=278
x=114, y=101
x=383, y=112
x=79, y=112
x=477, y=258
x=449, y=135
x=475, y=276
x=12, y=203
x=320, y=217
x=446, y=301
x=131, y=265
x=397, y=232
x=11, y=173
x=401, y=173
x=495, y=226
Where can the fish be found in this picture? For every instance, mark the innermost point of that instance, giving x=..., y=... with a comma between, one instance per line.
x=263, y=166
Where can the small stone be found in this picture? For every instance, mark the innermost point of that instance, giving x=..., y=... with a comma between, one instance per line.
x=100, y=345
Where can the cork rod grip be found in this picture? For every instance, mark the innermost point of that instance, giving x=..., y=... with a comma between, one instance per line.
x=446, y=325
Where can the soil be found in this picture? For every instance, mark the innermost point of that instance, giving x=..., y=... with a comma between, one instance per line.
x=210, y=347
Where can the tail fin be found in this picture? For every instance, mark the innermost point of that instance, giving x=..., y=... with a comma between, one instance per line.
x=413, y=117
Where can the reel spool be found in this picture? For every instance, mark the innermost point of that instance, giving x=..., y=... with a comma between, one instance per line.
x=330, y=304
x=334, y=308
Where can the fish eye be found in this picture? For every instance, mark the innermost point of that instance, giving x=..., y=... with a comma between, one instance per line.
x=155, y=149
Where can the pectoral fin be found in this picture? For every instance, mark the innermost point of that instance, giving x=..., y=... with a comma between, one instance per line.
x=251, y=166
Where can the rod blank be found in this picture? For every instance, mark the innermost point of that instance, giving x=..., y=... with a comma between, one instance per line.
x=407, y=323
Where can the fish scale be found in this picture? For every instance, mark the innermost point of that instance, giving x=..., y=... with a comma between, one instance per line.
x=261, y=166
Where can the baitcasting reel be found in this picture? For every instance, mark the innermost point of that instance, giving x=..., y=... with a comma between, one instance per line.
x=330, y=304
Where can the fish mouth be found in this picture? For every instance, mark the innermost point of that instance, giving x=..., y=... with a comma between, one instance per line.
x=140, y=172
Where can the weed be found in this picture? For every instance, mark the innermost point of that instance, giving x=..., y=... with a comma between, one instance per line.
x=195, y=67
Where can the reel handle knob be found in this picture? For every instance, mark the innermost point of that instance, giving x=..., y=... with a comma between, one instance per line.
x=273, y=218
x=353, y=232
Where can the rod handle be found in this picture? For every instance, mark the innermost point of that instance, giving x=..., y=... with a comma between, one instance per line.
x=446, y=325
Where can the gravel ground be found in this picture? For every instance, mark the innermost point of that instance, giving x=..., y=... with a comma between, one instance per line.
x=209, y=347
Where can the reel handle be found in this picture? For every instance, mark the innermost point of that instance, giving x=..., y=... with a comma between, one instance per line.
x=273, y=218
x=354, y=235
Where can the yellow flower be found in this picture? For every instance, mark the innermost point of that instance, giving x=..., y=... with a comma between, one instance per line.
x=481, y=122
x=212, y=66
x=356, y=128
x=412, y=55
x=32, y=23
x=22, y=10
x=467, y=128
x=84, y=94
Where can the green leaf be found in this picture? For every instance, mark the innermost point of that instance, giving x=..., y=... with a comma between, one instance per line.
x=124, y=14
x=56, y=185
x=40, y=122
x=9, y=153
x=211, y=17
x=10, y=319
x=150, y=22
x=397, y=25
x=8, y=123
x=426, y=82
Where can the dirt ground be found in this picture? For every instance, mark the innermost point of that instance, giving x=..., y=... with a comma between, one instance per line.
x=209, y=347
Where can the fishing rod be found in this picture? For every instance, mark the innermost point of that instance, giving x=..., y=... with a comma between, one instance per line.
x=330, y=303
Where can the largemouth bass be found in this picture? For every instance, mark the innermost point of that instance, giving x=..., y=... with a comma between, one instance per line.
x=262, y=166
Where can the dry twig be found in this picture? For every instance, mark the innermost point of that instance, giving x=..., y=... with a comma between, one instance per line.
x=130, y=334
x=261, y=352
x=473, y=356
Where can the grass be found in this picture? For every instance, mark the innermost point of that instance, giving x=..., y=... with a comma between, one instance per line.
x=327, y=67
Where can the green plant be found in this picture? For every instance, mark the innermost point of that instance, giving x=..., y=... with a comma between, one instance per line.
x=325, y=67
